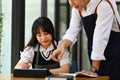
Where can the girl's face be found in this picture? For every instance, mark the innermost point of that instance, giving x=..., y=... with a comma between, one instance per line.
x=44, y=38
x=78, y=4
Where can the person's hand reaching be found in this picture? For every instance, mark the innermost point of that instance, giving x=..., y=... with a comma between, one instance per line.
x=58, y=54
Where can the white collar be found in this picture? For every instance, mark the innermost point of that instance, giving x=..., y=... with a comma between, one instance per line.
x=51, y=47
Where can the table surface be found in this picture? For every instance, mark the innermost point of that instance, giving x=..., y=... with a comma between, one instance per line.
x=10, y=77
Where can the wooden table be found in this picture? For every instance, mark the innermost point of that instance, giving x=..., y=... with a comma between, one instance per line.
x=10, y=77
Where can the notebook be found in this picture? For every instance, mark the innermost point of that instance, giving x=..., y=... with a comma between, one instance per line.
x=36, y=73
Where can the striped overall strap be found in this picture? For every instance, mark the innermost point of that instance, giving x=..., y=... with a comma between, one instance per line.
x=112, y=9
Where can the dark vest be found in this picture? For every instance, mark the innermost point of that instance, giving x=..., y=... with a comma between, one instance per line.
x=40, y=62
x=111, y=65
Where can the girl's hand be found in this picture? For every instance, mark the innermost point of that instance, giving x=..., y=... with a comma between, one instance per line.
x=23, y=65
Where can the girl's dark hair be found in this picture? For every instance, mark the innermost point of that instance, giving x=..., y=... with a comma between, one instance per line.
x=46, y=25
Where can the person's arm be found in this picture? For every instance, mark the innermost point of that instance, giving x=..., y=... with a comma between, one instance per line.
x=22, y=65
x=96, y=64
x=102, y=30
x=58, y=53
x=65, y=43
x=101, y=34
x=25, y=58
x=69, y=37
x=65, y=64
x=93, y=71
x=63, y=69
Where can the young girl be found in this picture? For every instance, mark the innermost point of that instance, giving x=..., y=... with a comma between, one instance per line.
x=40, y=47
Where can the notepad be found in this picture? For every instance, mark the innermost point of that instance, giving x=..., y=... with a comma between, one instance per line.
x=80, y=74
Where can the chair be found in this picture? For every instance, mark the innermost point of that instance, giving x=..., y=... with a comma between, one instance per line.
x=73, y=67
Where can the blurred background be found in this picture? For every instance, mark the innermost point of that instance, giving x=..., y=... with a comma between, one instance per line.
x=16, y=18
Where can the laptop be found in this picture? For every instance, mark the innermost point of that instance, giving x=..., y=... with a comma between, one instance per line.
x=34, y=73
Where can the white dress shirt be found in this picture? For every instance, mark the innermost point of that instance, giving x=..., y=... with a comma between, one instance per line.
x=28, y=54
x=106, y=22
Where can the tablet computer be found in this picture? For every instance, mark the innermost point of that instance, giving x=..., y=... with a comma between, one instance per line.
x=36, y=73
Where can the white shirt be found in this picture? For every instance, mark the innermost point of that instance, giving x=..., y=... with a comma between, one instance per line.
x=106, y=22
x=28, y=54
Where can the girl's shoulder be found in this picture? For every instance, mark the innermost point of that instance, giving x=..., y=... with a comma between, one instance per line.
x=29, y=48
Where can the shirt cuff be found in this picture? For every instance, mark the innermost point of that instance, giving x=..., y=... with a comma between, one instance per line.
x=97, y=57
x=72, y=40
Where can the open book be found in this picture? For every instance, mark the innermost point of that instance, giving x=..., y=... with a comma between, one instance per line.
x=72, y=76
x=83, y=73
